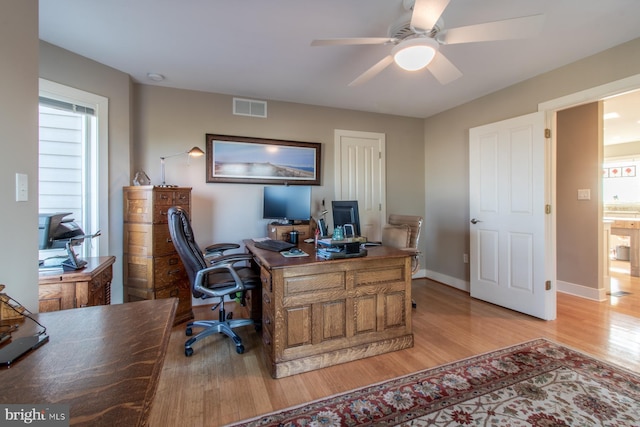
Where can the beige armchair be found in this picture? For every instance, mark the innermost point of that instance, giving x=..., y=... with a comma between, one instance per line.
x=403, y=232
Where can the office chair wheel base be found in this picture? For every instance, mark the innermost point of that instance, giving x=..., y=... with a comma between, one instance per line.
x=188, y=352
x=240, y=349
x=188, y=332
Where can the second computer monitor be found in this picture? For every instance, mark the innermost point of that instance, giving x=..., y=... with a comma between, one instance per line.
x=346, y=212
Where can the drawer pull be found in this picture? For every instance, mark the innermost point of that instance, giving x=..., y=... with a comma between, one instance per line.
x=173, y=261
x=172, y=272
x=164, y=197
x=266, y=299
x=163, y=213
x=169, y=240
x=267, y=321
x=174, y=293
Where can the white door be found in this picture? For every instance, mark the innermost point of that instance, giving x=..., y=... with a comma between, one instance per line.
x=359, y=169
x=508, y=230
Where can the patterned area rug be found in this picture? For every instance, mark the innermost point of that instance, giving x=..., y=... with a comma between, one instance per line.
x=537, y=383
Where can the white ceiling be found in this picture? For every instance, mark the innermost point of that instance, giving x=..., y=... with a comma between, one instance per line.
x=260, y=49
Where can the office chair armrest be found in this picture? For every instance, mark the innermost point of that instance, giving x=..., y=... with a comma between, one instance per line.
x=412, y=251
x=226, y=265
x=226, y=258
x=218, y=249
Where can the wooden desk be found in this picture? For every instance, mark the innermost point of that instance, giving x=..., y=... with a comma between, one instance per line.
x=91, y=285
x=318, y=313
x=104, y=362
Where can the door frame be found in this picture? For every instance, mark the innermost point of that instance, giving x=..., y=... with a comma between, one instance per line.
x=550, y=108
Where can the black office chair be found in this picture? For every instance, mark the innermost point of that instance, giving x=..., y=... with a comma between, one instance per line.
x=212, y=277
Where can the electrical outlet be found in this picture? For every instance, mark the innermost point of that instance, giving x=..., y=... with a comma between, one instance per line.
x=465, y=258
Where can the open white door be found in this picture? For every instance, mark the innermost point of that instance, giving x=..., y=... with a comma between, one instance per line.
x=508, y=230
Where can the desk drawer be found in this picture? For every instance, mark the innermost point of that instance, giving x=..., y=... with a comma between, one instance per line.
x=149, y=273
x=148, y=240
x=265, y=278
x=150, y=204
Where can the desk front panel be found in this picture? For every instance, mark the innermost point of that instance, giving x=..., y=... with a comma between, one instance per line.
x=321, y=313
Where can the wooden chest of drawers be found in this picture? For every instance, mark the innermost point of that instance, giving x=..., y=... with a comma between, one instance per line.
x=152, y=268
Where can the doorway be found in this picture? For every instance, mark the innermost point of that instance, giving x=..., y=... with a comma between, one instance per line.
x=621, y=189
x=594, y=94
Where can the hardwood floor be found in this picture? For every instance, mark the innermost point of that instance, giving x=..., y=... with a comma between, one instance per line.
x=217, y=386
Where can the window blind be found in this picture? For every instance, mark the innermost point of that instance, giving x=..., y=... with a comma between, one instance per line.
x=66, y=106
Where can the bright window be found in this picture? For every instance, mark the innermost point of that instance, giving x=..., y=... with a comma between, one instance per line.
x=73, y=161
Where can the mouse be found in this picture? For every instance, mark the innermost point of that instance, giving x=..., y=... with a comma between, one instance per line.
x=296, y=251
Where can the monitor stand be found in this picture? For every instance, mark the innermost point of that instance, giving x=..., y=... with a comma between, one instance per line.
x=73, y=262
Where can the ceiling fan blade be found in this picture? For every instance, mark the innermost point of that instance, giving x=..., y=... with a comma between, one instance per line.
x=427, y=12
x=378, y=67
x=516, y=28
x=352, y=41
x=443, y=70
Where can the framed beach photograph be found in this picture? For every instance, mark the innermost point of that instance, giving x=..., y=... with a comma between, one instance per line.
x=246, y=160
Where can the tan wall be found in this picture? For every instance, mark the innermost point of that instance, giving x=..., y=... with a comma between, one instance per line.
x=578, y=148
x=67, y=68
x=447, y=139
x=170, y=121
x=19, y=141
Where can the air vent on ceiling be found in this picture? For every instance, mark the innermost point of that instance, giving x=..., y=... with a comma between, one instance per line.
x=249, y=107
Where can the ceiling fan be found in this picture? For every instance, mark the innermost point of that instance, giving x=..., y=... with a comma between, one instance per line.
x=417, y=36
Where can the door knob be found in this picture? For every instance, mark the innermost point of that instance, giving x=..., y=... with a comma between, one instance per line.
x=475, y=221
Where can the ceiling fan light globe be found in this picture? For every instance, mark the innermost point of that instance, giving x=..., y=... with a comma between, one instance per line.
x=414, y=54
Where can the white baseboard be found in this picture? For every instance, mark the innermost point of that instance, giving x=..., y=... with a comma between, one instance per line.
x=582, y=291
x=463, y=285
x=564, y=287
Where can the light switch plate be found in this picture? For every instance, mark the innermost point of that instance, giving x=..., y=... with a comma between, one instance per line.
x=584, y=194
x=22, y=187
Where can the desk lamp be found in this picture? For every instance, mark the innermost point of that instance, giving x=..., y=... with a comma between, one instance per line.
x=194, y=152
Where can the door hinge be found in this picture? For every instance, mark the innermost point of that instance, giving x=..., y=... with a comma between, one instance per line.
x=547, y=209
x=547, y=133
x=547, y=285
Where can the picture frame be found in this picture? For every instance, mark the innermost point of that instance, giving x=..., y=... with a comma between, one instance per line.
x=238, y=159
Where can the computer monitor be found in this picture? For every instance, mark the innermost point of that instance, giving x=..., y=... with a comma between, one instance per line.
x=345, y=212
x=54, y=228
x=287, y=202
x=57, y=232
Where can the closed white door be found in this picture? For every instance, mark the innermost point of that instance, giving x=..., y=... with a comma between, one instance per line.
x=359, y=170
x=508, y=230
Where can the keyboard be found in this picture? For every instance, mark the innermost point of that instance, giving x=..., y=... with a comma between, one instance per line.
x=274, y=245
